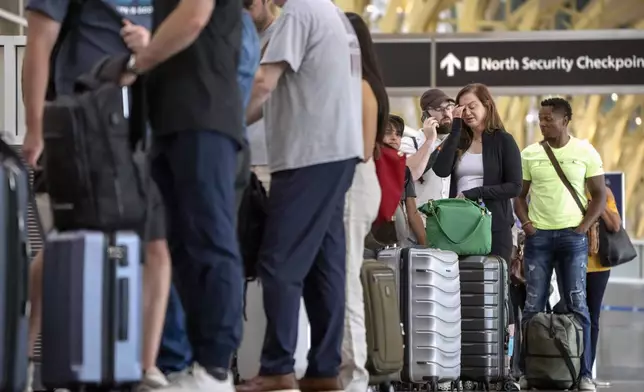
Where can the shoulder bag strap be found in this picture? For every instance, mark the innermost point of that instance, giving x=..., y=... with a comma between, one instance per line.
x=432, y=159
x=413, y=139
x=562, y=176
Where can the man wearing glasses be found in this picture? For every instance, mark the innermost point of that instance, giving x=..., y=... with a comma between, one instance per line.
x=422, y=149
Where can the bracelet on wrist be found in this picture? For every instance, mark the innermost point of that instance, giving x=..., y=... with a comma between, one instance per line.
x=526, y=223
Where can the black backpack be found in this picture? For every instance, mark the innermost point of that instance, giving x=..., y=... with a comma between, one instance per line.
x=90, y=173
x=71, y=20
x=67, y=30
x=251, y=221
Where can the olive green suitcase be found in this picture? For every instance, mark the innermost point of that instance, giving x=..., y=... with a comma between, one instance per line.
x=385, y=352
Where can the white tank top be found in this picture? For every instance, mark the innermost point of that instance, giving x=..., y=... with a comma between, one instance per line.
x=469, y=172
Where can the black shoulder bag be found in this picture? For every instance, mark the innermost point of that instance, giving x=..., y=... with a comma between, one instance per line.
x=614, y=248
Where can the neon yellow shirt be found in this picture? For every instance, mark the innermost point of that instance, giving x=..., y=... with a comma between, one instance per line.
x=551, y=205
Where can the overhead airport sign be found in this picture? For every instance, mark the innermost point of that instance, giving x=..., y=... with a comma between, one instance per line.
x=549, y=60
x=405, y=60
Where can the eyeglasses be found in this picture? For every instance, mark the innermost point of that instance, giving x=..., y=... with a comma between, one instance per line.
x=444, y=109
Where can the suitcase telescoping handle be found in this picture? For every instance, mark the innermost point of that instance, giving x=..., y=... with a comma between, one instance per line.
x=23, y=247
x=116, y=314
x=120, y=287
x=123, y=309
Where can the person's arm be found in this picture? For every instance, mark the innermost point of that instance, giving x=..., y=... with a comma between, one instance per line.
x=44, y=18
x=521, y=205
x=596, y=185
x=41, y=37
x=521, y=201
x=285, y=52
x=610, y=216
x=446, y=159
x=418, y=161
x=415, y=221
x=266, y=80
x=597, y=189
x=511, y=186
x=178, y=31
x=369, y=120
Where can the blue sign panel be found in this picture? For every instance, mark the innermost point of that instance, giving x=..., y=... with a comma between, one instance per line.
x=615, y=181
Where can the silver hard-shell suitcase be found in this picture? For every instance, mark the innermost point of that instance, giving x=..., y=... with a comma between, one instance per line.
x=430, y=307
x=92, y=315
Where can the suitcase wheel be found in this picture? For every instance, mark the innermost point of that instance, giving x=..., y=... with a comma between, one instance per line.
x=469, y=386
x=433, y=385
x=386, y=387
x=509, y=385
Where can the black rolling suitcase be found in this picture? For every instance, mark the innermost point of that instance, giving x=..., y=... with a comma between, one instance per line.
x=14, y=270
x=484, y=323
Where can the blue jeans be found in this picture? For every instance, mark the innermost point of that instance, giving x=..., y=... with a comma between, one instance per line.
x=175, y=353
x=566, y=252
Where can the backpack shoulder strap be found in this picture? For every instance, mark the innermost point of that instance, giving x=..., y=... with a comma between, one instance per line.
x=574, y=376
x=67, y=29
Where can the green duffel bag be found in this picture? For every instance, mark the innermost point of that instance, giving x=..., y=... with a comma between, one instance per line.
x=458, y=225
x=553, y=345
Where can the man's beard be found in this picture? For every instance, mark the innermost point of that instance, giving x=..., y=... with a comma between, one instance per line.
x=444, y=129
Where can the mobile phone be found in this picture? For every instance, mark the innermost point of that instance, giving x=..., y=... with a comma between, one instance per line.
x=424, y=116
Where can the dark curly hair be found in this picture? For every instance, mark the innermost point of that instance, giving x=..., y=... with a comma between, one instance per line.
x=559, y=105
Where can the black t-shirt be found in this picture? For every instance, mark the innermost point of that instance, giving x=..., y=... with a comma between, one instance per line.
x=197, y=88
x=409, y=189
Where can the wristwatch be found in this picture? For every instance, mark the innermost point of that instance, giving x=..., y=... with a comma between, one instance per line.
x=130, y=66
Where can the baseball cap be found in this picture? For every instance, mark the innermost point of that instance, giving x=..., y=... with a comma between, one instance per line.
x=433, y=98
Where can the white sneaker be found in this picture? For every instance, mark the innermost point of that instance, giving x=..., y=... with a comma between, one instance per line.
x=152, y=379
x=30, y=376
x=523, y=383
x=587, y=385
x=175, y=375
x=197, y=379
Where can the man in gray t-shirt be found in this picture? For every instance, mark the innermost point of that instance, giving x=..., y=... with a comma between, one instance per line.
x=309, y=85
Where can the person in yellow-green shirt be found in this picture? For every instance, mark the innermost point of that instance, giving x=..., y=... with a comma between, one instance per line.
x=597, y=276
x=554, y=225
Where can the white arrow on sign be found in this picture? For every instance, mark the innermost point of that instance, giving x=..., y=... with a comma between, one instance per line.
x=450, y=62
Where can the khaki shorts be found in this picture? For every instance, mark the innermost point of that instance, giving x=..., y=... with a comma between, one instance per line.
x=44, y=212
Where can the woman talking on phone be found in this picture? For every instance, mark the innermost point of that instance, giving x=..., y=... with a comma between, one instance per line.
x=485, y=164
